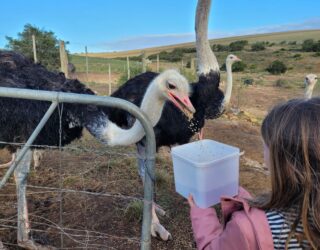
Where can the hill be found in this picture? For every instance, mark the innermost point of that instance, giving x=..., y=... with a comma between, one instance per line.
x=276, y=37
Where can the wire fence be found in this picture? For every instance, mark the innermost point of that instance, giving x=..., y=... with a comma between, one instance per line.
x=66, y=189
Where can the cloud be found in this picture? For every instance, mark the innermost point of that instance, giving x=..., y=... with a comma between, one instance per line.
x=147, y=41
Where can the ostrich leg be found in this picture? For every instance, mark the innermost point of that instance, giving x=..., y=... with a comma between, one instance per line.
x=37, y=156
x=157, y=230
x=20, y=175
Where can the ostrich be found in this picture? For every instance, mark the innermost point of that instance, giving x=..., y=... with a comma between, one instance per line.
x=228, y=88
x=174, y=127
x=309, y=82
x=19, y=117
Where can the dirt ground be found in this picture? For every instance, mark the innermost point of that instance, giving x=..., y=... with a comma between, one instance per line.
x=101, y=214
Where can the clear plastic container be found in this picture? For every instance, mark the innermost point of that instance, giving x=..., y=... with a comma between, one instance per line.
x=206, y=169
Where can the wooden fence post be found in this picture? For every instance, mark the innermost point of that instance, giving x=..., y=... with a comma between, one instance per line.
x=110, y=86
x=158, y=64
x=128, y=67
x=87, y=64
x=144, y=62
x=63, y=59
x=34, y=49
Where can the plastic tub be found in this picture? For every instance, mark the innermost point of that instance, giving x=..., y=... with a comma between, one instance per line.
x=206, y=169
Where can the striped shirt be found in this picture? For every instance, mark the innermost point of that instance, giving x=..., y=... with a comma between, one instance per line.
x=280, y=225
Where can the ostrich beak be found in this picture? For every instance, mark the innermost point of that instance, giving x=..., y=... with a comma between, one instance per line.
x=183, y=103
x=237, y=59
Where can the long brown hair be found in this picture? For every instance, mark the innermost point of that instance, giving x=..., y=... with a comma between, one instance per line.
x=291, y=131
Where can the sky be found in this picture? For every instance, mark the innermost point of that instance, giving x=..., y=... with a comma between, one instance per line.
x=117, y=25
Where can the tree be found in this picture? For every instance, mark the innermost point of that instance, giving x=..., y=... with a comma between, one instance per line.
x=46, y=43
x=277, y=67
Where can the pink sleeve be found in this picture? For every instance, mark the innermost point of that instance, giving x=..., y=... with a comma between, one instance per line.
x=210, y=235
x=205, y=224
x=243, y=193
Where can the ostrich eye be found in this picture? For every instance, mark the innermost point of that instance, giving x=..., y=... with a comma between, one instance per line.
x=170, y=86
x=231, y=57
x=316, y=78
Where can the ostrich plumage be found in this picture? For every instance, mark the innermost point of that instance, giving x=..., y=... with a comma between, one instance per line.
x=173, y=127
x=16, y=124
x=19, y=117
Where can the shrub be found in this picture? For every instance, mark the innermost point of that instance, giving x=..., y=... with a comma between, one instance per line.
x=277, y=67
x=258, y=46
x=220, y=47
x=310, y=45
x=237, y=45
x=283, y=42
x=282, y=83
x=253, y=66
x=236, y=67
x=133, y=72
x=248, y=81
x=316, y=54
x=292, y=43
x=239, y=66
x=297, y=56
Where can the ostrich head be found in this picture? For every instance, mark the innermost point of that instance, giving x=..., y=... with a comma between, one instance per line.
x=167, y=86
x=175, y=88
x=310, y=81
x=232, y=59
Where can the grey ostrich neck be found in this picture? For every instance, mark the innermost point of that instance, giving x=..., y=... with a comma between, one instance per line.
x=207, y=61
x=228, y=88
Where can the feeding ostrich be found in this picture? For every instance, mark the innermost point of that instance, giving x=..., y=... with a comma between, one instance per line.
x=309, y=82
x=19, y=117
x=174, y=127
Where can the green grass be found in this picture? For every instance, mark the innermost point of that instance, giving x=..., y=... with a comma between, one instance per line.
x=101, y=65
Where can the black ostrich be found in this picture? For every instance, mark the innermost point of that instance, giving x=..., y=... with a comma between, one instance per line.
x=19, y=117
x=174, y=127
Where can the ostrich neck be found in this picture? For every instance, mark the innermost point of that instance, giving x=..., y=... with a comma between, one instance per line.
x=206, y=58
x=152, y=104
x=228, y=87
x=308, y=92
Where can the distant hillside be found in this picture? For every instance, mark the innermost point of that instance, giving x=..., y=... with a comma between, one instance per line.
x=298, y=36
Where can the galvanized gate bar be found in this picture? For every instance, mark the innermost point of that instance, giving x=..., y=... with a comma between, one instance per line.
x=57, y=97
x=31, y=139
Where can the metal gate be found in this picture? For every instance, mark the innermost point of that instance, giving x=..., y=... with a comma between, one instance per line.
x=60, y=97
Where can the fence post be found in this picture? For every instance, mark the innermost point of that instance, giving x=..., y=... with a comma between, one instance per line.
x=110, y=88
x=158, y=65
x=34, y=49
x=87, y=63
x=144, y=62
x=64, y=59
x=128, y=67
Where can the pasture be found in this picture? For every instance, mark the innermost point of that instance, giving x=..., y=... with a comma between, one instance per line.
x=98, y=205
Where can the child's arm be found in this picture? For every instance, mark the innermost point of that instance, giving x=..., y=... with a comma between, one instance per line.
x=210, y=234
x=208, y=231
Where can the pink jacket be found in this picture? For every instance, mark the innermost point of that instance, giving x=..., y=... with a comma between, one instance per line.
x=244, y=228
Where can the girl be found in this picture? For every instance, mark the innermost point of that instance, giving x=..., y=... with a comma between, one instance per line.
x=288, y=217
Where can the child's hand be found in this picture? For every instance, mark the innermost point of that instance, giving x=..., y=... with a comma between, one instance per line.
x=191, y=201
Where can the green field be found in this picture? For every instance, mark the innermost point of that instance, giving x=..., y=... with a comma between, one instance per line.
x=101, y=65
